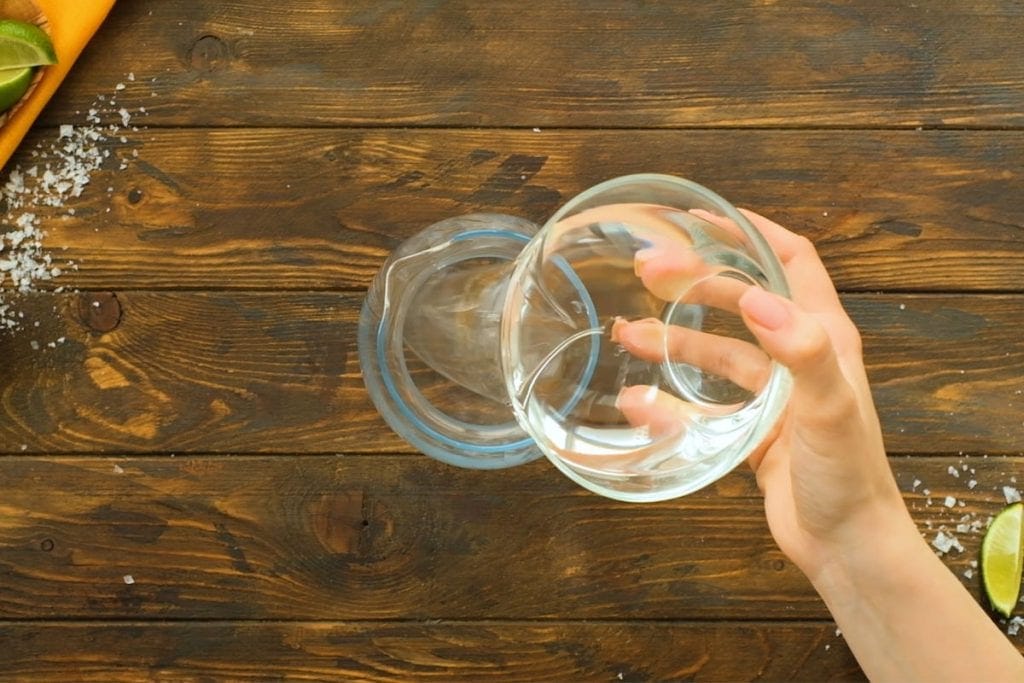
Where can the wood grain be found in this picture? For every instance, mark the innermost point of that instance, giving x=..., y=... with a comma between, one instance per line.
x=321, y=209
x=465, y=651
x=594, y=63
x=407, y=538
x=237, y=372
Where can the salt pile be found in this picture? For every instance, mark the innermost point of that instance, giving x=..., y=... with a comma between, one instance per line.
x=58, y=172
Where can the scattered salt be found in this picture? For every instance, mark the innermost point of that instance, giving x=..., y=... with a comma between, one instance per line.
x=954, y=472
x=1013, y=627
x=917, y=482
x=119, y=86
x=67, y=166
x=944, y=542
x=1011, y=494
x=129, y=579
x=118, y=469
x=949, y=502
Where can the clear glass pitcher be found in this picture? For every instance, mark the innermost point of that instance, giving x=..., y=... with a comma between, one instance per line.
x=609, y=340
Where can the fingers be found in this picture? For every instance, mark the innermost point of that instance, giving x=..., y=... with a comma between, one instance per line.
x=661, y=413
x=668, y=272
x=821, y=392
x=685, y=275
x=808, y=280
x=740, y=362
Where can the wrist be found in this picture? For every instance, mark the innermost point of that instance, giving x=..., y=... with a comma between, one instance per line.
x=874, y=552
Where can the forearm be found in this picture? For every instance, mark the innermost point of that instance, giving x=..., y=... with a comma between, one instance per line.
x=906, y=617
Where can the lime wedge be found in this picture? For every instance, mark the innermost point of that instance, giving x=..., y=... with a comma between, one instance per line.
x=23, y=44
x=13, y=84
x=1002, y=558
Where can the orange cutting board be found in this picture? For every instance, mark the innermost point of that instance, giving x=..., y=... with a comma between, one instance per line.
x=70, y=23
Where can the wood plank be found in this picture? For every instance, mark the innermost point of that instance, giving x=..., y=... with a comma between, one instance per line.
x=237, y=372
x=896, y=211
x=583, y=63
x=466, y=651
x=321, y=537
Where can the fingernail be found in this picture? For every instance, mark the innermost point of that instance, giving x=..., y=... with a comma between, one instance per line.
x=641, y=257
x=764, y=309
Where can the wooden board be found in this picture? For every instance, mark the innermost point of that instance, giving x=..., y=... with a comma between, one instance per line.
x=463, y=651
x=896, y=211
x=407, y=538
x=237, y=372
x=593, y=63
x=194, y=482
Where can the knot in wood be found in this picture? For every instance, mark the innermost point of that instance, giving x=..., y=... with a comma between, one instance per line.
x=208, y=53
x=99, y=311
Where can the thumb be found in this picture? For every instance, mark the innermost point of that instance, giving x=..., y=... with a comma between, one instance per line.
x=797, y=340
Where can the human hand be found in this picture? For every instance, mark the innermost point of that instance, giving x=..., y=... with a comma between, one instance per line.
x=831, y=501
x=827, y=485
x=829, y=491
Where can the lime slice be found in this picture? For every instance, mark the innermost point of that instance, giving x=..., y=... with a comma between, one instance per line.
x=23, y=44
x=1002, y=558
x=13, y=84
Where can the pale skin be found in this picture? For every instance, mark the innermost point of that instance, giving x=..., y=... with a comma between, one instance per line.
x=830, y=498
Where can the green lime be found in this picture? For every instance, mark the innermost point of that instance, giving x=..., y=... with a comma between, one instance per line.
x=1002, y=558
x=13, y=84
x=24, y=44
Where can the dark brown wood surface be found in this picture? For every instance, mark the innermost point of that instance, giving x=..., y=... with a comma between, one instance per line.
x=913, y=210
x=601, y=63
x=193, y=481
x=404, y=651
x=238, y=372
x=406, y=538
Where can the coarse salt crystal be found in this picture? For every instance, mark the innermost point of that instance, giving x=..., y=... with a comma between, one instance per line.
x=944, y=542
x=118, y=469
x=1011, y=494
x=1013, y=627
x=129, y=579
x=119, y=86
x=66, y=131
x=954, y=472
x=949, y=502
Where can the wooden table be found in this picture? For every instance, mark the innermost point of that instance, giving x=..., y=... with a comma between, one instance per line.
x=194, y=484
